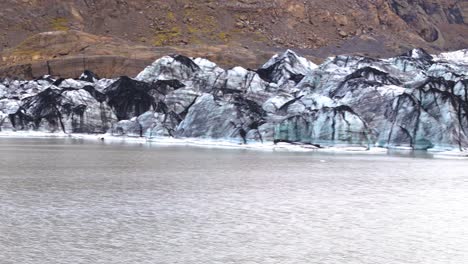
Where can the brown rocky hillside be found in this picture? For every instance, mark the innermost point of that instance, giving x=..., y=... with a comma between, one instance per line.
x=116, y=37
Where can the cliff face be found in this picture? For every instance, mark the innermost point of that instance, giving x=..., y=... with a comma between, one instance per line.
x=134, y=32
x=436, y=21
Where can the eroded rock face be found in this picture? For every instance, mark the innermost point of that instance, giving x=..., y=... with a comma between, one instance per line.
x=415, y=100
x=425, y=16
x=121, y=37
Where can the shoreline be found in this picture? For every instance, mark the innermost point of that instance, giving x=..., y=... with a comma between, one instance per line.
x=226, y=144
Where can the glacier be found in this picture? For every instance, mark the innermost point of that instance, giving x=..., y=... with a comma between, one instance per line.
x=413, y=101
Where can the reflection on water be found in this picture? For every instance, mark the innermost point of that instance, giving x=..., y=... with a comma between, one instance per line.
x=69, y=201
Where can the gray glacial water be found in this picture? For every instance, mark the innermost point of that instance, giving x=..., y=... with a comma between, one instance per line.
x=72, y=201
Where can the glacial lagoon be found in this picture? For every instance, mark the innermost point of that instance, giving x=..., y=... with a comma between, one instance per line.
x=77, y=201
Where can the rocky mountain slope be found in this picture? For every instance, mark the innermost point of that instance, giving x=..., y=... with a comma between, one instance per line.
x=415, y=100
x=120, y=37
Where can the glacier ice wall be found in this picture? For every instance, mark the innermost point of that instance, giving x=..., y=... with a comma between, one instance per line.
x=415, y=100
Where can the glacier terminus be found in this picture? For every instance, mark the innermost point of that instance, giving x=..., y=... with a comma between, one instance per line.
x=415, y=101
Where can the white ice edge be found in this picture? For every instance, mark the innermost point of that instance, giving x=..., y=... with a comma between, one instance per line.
x=225, y=144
